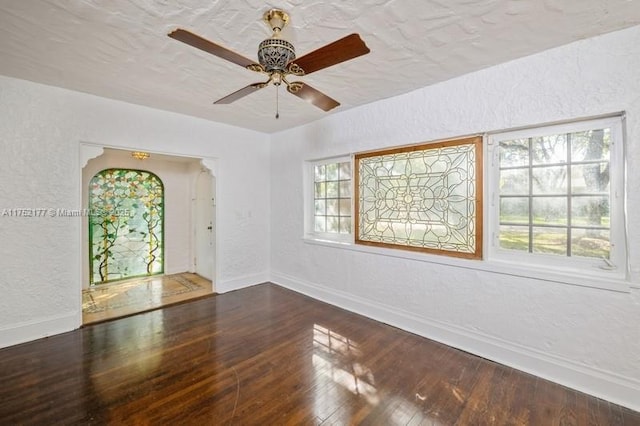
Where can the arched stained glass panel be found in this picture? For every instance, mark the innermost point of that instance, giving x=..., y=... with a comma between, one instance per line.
x=126, y=225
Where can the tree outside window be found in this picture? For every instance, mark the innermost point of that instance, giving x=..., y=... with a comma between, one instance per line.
x=554, y=193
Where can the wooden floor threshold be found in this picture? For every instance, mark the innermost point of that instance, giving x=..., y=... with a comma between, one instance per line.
x=144, y=311
x=116, y=300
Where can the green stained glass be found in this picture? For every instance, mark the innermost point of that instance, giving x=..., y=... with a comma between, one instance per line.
x=126, y=225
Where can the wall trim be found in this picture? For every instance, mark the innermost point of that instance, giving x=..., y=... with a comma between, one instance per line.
x=593, y=278
x=241, y=282
x=33, y=330
x=600, y=383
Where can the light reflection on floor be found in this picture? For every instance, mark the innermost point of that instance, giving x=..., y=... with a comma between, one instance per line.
x=336, y=357
x=138, y=357
x=340, y=360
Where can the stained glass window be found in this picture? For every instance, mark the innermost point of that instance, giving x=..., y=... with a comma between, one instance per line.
x=425, y=198
x=126, y=235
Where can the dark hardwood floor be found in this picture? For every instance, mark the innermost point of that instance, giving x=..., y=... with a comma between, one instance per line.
x=268, y=356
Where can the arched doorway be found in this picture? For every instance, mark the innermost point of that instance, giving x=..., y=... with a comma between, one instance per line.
x=177, y=281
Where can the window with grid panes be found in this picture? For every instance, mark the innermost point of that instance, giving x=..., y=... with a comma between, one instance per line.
x=332, y=198
x=558, y=193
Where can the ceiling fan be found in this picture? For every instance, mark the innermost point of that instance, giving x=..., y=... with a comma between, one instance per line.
x=277, y=59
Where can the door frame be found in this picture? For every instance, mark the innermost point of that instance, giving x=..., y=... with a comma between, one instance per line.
x=89, y=150
x=214, y=224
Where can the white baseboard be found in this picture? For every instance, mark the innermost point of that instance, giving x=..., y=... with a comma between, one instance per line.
x=32, y=330
x=602, y=384
x=241, y=282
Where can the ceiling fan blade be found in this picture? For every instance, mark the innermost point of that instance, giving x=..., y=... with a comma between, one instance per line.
x=209, y=47
x=240, y=93
x=341, y=50
x=309, y=94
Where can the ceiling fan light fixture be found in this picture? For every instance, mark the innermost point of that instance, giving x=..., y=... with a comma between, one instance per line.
x=140, y=155
x=275, y=53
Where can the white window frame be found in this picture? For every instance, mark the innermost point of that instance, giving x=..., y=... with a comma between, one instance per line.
x=616, y=268
x=309, y=201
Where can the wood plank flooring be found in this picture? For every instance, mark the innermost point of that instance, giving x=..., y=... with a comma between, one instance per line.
x=269, y=356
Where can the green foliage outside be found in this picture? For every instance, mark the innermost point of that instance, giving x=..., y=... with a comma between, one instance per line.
x=555, y=242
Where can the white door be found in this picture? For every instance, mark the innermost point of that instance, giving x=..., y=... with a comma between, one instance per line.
x=205, y=225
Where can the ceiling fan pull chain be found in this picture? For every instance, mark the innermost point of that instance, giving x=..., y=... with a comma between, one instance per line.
x=277, y=102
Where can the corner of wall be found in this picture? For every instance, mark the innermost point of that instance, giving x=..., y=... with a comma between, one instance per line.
x=32, y=330
x=242, y=282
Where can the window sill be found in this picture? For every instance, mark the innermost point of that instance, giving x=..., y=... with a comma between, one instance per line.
x=594, y=279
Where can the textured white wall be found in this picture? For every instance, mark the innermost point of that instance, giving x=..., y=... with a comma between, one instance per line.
x=584, y=337
x=41, y=128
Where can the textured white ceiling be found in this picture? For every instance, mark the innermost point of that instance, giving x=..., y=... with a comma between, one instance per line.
x=119, y=48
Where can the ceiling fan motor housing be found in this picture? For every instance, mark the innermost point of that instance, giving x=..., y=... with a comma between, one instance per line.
x=275, y=53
